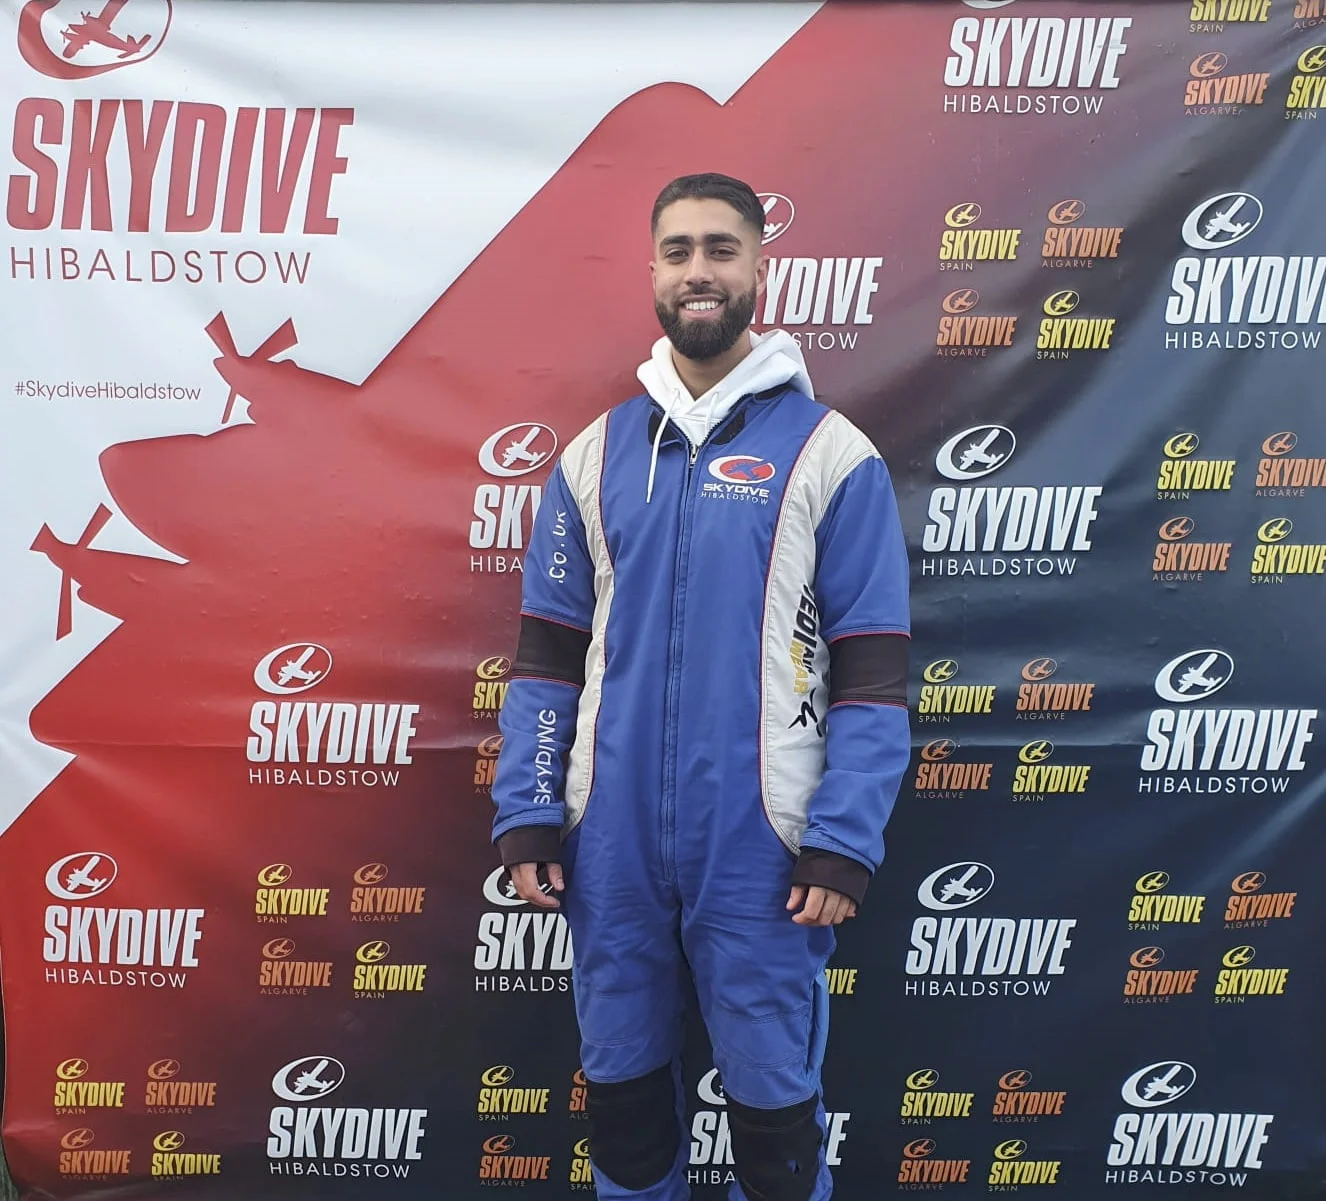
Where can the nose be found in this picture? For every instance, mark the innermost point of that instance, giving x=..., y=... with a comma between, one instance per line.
x=699, y=271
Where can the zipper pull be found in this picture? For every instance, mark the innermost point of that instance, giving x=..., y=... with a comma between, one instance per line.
x=695, y=454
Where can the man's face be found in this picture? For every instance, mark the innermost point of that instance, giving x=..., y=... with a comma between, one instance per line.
x=708, y=272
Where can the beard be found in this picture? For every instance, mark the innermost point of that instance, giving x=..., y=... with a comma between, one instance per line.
x=701, y=340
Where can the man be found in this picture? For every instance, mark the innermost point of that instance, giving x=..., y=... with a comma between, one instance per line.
x=706, y=724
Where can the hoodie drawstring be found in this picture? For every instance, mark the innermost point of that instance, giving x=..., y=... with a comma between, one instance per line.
x=653, y=458
x=658, y=438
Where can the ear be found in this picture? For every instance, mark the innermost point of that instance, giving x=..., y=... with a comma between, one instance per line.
x=761, y=274
x=653, y=272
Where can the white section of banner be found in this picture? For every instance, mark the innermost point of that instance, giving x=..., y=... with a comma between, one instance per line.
x=461, y=112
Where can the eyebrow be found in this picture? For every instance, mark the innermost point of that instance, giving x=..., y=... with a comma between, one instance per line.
x=708, y=239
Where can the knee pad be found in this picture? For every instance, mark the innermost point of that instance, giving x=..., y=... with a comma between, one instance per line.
x=634, y=1134
x=775, y=1151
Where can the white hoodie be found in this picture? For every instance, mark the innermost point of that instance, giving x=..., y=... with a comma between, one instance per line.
x=775, y=359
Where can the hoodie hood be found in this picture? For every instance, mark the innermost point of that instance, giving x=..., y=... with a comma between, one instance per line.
x=775, y=359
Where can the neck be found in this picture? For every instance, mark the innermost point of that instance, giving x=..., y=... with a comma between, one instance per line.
x=699, y=375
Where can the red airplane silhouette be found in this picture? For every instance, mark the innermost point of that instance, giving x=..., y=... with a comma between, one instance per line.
x=97, y=29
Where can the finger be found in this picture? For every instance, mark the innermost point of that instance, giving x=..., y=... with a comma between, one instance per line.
x=829, y=912
x=834, y=908
x=525, y=877
x=796, y=896
x=851, y=909
x=555, y=877
x=843, y=911
x=810, y=914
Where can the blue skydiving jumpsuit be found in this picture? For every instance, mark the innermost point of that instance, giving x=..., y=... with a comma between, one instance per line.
x=708, y=704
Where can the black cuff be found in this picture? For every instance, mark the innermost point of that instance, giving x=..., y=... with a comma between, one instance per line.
x=530, y=844
x=817, y=868
x=870, y=668
x=550, y=651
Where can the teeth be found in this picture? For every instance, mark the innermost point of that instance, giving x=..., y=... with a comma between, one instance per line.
x=700, y=305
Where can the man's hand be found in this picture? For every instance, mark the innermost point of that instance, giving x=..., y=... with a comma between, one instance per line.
x=525, y=879
x=819, y=906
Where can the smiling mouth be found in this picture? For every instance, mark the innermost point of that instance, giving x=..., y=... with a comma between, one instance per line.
x=706, y=305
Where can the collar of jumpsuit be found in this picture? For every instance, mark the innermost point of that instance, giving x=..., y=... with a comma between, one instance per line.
x=774, y=359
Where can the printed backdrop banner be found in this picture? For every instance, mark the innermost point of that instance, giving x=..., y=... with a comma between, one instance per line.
x=300, y=303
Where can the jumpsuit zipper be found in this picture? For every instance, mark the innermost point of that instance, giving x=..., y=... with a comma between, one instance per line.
x=668, y=807
x=669, y=799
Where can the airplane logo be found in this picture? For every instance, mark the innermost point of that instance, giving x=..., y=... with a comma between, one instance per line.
x=292, y=668
x=518, y=449
x=1036, y=752
x=81, y=876
x=1312, y=60
x=940, y=671
x=1275, y=529
x=1176, y=529
x=1194, y=676
x=66, y=39
x=96, y=30
x=275, y=874
x=960, y=300
x=955, y=886
x=1238, y=957
x=1066, y=212
x=938, y=750
x=1146, y=957
x=493, y=668
x=1222, y=220
x=1060, y=304
x=373, y=952
x=307, y=1078
x=1211, y=63
x=1248, y=882
x=975, y=452
x=1158, y=1083
x=778, y=214
x=371, y=873
x=710, y=1088
x=1181, y=446
x=962, y=215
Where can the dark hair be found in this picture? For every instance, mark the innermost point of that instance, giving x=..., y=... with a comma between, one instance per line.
x=711, y=186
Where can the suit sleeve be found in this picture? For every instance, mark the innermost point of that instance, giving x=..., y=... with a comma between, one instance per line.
x=861, y=588
x=538, y=716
